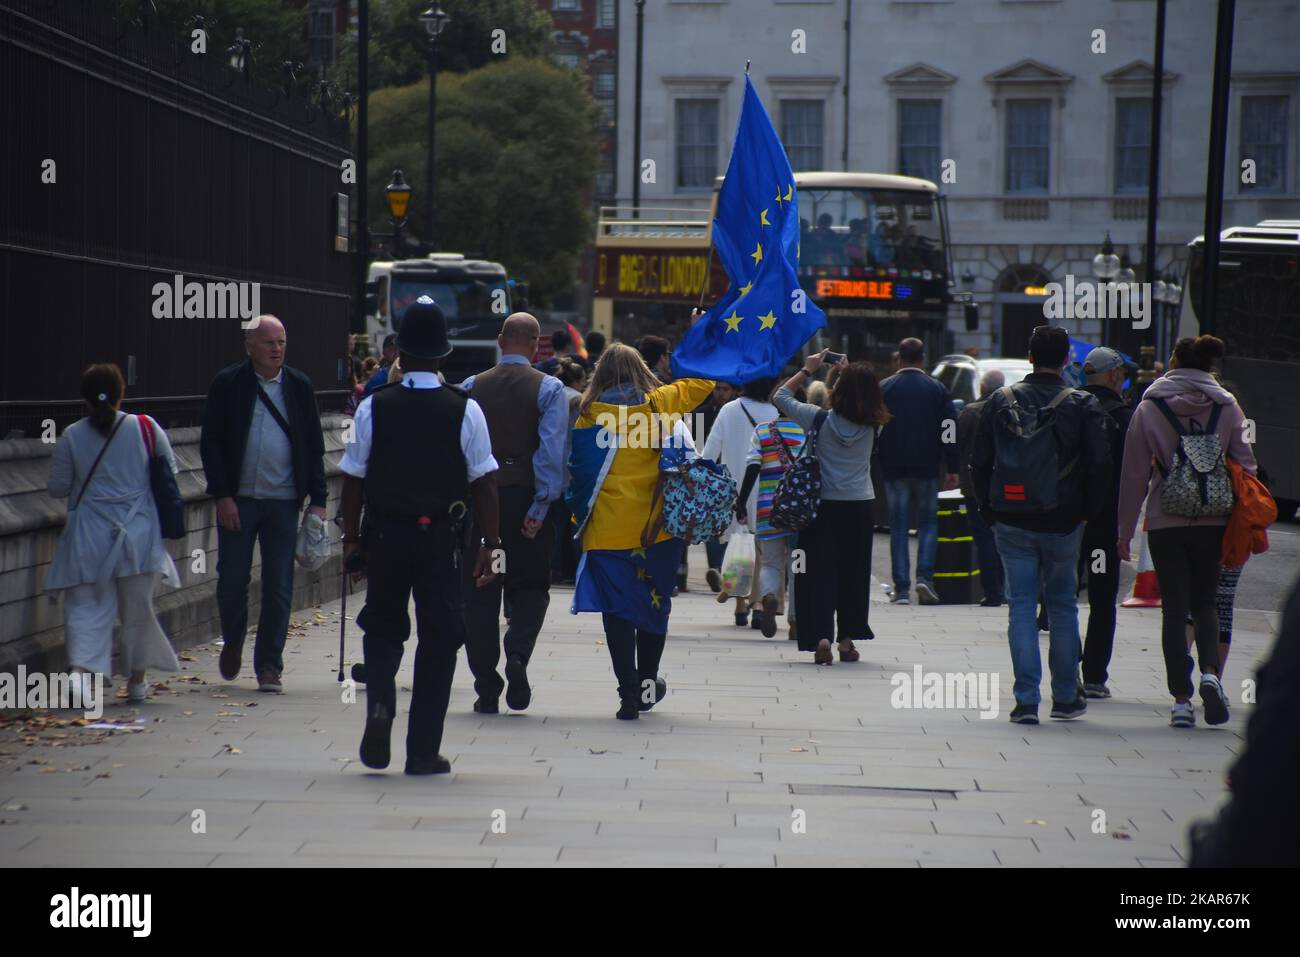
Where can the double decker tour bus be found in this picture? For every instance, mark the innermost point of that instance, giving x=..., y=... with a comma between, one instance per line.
x=873, y=253
x=1258, y=317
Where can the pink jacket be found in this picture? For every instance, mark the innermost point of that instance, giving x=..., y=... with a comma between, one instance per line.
x=1191, y=394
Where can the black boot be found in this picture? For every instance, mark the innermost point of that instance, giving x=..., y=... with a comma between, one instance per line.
x=630, y=708
x=375, y=750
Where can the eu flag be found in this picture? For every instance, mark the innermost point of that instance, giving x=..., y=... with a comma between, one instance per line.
x=765, y=316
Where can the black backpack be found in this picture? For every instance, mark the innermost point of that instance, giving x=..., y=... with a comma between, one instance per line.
x=1026, y=463
x=797, y=495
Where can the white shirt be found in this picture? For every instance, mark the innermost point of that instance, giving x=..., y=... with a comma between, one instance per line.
x=474, y=439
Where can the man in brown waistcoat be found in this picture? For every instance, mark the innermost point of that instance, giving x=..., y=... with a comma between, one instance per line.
x=528, y=416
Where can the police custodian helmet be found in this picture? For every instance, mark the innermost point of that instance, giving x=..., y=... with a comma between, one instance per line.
x=423, y=333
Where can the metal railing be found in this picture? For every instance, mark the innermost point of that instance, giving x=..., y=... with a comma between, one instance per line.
x=654, y=222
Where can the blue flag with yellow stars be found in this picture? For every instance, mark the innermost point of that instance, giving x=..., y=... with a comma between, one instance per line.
x=765, y=316
x=634, y=584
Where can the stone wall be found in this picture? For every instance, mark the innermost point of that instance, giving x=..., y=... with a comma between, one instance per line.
x=31, y=622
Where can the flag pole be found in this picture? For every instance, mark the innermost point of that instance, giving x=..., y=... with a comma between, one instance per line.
x=708, y=265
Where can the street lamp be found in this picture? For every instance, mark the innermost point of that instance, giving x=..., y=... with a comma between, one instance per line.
x=1105, y=265
x=399, y=197
x=435, y=20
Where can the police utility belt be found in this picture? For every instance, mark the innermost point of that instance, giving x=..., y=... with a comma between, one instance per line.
x=453, y=520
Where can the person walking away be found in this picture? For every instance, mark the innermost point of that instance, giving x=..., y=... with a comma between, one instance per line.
x=1185, y=548
x=527, y=414
x=1040, y=469
x=595, y=342
x=837, y=544
x=110, y=557
x=728, y=443
x=420, y=454
x=705, y=416
x=612, y=495
x=1106, y=370
x=263, y=453
x=986, y=546
x=564, y=563
x=919, y=440
x=773, y=449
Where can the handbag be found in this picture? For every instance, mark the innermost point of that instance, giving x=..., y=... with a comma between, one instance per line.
x=162, y=483
x=699, y=495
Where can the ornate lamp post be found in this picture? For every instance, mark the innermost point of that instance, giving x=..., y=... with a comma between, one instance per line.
x=399, y=197
x=435, y=20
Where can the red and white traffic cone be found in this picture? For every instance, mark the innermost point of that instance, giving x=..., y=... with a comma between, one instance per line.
x=1146, y=589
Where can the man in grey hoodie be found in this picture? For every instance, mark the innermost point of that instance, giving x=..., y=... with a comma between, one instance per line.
x=1185, y=551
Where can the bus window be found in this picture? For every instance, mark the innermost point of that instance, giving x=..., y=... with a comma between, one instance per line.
x=871, y=229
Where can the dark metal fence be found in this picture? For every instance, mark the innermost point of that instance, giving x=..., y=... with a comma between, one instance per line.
x=164, y=162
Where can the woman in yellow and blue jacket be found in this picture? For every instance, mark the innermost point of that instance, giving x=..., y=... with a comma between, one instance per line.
x=625, y=574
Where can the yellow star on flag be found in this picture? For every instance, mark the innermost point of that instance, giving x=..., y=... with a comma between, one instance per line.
x=640, y=573
x=789, y=193
x=768, y=321
x=757, y=254
x=733, y=325
x=778, y=197
x=744, y=290
x=655, y=598
x=762, y=219
x=638, y=552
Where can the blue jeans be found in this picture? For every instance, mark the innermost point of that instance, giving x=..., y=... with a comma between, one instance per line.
x=273, y=523
x=1048, y=560
x=903, y=495
x=990, y=561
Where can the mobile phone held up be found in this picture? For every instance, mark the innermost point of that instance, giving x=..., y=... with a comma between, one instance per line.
x=833, y=358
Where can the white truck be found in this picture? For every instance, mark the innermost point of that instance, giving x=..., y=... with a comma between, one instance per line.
x=475, y=296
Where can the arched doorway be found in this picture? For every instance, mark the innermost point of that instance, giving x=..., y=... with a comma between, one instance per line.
x=1018, y=296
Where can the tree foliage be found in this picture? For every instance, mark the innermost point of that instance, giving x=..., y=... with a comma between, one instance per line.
x=399, y=45
x=516, y=155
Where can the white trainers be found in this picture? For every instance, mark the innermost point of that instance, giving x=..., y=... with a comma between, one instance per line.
x=1182, y=715
x=1213, y=700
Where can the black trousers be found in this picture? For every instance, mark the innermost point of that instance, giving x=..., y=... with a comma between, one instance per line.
x=635, y=655
x=834, y=584
x=404, y=561
x=526, y=587
x=1103, y=590
x=1187, y=568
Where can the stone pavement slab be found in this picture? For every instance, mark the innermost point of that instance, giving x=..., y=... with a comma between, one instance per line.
x=756, y=758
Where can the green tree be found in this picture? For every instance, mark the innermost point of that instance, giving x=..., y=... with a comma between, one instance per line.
x=399, y=45
x=516, y=156
x=277, y=30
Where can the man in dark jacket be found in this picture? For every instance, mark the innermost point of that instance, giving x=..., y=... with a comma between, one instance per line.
x=263, y=454
x=920, y=437
x=1044, y=492
x=1098, y=557
x=987, y=548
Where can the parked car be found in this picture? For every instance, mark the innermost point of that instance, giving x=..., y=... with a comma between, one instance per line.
x=961, y=374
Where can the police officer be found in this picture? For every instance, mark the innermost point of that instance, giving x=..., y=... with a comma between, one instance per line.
x=421, y=454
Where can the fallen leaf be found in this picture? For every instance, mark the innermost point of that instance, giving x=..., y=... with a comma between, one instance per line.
x=231, y=749
x=49, y=770
x=14, y=806
x=105, y=774
x=1121, y=836
x=187, y=712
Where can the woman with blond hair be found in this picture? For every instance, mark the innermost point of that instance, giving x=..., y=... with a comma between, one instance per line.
x=614, y=464
x=110, y=555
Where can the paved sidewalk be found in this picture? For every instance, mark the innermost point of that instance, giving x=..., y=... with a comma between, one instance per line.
x=756, y=757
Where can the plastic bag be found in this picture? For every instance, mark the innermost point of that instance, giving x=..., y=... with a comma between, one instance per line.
x=313, y=547
x=738, y=562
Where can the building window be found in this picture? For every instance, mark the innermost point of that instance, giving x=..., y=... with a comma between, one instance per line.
x=603, y=85
x=802, y=124
x=320, y=33
x=1028, y=151
x=918, y=138
x=1264, y=139
x=567, y=6
x=571, y=60
x=697, y=143
x=1132, y=143
x=605, y=177
x=605, y=14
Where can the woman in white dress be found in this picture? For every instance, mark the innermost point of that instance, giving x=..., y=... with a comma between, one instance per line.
x=110, y=555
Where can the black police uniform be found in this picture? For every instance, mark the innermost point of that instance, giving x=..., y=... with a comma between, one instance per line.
x=416, y=493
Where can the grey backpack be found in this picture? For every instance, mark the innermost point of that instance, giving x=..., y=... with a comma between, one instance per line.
x=1197, y=484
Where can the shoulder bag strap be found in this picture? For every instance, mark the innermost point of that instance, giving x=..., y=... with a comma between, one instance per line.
x=1168, y=413
x=275, y=413
x=95, y=465
x=1212, y=426
x=1059, y=398
x=810, y=443
x=146, y=433
x=752, y=423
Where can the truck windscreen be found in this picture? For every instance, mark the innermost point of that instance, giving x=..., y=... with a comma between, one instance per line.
x=460, y=300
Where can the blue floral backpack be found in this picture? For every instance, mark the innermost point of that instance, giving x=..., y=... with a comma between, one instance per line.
x=699, y=495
